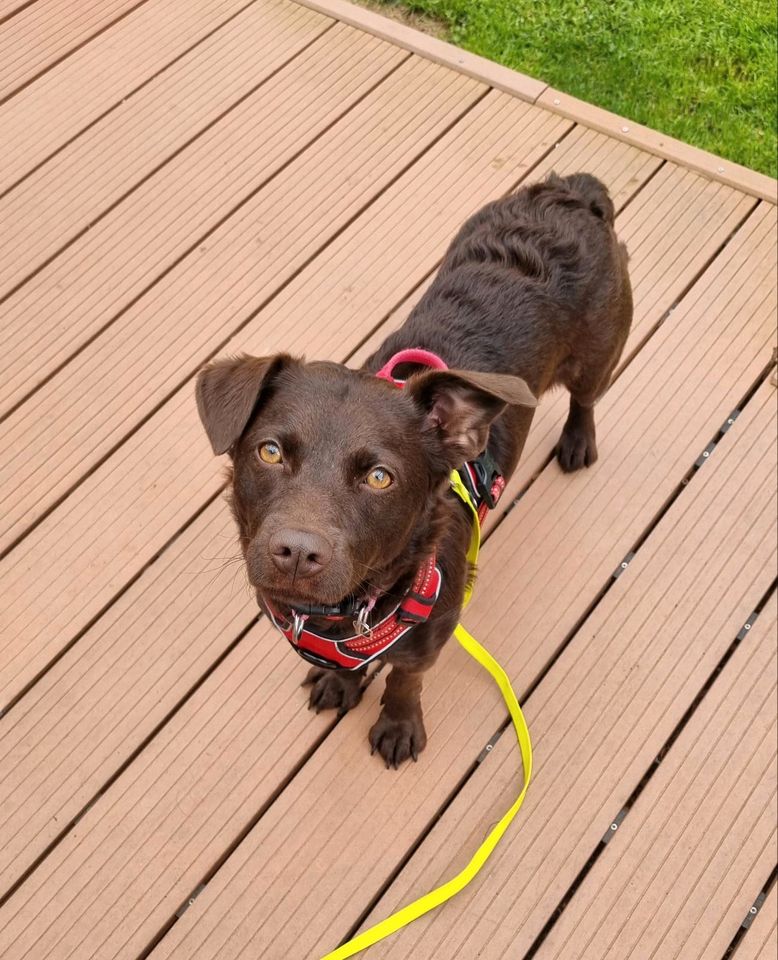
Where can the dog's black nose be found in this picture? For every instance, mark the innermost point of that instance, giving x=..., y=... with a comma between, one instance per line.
x=300, y=553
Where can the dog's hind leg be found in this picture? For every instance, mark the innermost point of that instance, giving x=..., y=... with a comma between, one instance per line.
x=577, y=446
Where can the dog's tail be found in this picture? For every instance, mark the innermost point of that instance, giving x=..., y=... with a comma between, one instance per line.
x=592, y=191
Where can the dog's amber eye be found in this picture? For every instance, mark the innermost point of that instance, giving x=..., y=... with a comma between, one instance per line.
x=379, y=479
x=270, y=452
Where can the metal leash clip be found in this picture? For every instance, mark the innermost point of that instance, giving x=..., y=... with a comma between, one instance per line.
x=298, y=622
x=361, y=625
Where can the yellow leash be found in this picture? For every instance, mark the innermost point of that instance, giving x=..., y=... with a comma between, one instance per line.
x=451, y=887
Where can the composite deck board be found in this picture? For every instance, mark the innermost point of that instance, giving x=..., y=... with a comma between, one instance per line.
x=604, y=711
x=69, y=709
x=47, y=31
x=761, y=940
x=164, y=472
x=462, y=711
x=367, y=149
x=678, y=877
x=52, y=111
x=72, y=190
x=188, y=198
x=85, y=718
x=10, y=7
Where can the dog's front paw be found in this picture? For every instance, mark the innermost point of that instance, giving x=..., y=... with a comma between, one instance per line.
x=333, y=690
x=398, y=740
x=577, y=448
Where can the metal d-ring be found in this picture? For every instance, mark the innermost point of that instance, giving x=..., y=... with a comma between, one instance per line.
x=360, y=624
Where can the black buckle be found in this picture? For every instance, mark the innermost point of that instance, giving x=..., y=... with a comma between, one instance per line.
x=486, y=472
x=347, y=609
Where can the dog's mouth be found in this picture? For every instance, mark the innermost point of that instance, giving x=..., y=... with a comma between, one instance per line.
x=288, y=604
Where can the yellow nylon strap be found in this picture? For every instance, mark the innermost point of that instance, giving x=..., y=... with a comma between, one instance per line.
x=447, y=890
x=475, y=537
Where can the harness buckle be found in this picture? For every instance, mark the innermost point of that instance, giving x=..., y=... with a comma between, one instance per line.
x=487, y=475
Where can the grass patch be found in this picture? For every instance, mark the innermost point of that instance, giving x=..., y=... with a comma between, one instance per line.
x=704, y=72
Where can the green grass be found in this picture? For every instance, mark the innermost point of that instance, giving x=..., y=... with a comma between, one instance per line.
x=703, y=71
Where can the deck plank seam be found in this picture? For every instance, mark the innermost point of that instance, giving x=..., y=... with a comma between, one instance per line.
x=749, y=918
x=23, y=4
x=130, y=93
x=326, y=27
x=651, y=770
x=759, y=902
x=6, y=708
x=79, y=46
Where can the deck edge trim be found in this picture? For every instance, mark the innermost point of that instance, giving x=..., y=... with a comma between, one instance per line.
x=439, y=51
x=536, y=91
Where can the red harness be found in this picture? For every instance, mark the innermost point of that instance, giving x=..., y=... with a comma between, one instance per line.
x=484, y=485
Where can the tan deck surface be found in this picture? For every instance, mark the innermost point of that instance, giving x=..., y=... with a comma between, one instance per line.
x=182, y=180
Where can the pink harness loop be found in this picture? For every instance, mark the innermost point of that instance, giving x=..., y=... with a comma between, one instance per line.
x=423, y=357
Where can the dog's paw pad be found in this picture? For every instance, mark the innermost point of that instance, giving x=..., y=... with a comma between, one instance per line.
x=576, y=449
x=397, y=740
x=331, y=690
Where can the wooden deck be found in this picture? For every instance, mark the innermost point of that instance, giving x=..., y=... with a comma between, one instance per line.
x=180, y=180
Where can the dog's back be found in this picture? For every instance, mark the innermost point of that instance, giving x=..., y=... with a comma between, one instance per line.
x=554, y=238
x=536, y=285
x=527, y=280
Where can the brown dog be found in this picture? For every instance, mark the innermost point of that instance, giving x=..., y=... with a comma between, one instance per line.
x=340, y=481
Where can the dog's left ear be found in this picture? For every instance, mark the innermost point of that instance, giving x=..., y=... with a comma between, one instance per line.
x=228, y=390
x=462, y=404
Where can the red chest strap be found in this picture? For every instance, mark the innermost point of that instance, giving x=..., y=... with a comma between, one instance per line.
x=353, y=652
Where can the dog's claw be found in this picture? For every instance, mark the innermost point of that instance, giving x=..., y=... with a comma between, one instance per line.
x=331, y=690
x=397, y=740
x=577, y=448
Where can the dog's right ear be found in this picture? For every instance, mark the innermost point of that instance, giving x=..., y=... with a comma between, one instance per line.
x=227, y=392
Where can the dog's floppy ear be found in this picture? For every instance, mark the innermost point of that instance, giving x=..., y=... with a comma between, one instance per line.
x=227, y=392
x=461, y=405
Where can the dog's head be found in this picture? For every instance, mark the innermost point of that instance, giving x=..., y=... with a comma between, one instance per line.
x=337, y=474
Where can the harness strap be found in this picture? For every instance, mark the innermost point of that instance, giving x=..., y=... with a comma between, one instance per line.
x=354, y=652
